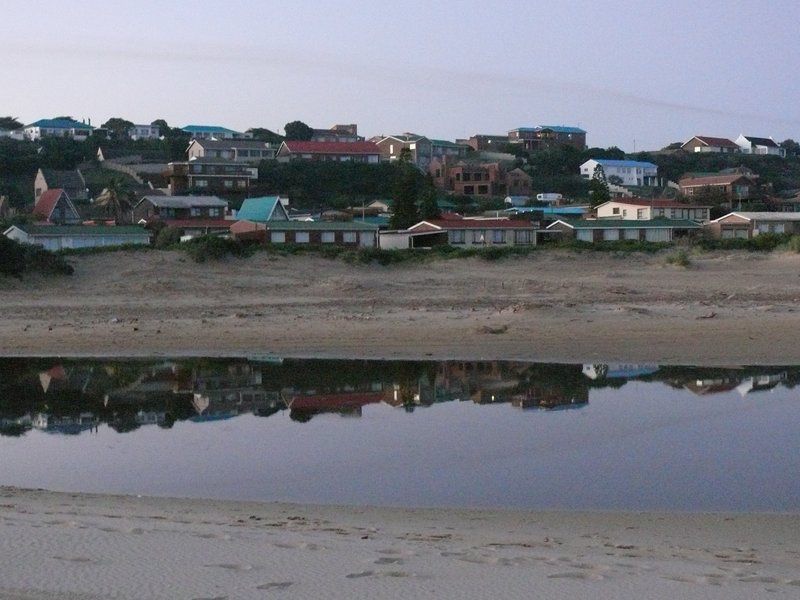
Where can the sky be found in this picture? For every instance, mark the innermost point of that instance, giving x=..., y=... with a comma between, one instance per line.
x=638, y=75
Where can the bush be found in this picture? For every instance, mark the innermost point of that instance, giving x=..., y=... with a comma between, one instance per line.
x=794, y=243
x=209, y=247
x=679, y=259
x=764, y=242
x=168, y=237
x=16, y=259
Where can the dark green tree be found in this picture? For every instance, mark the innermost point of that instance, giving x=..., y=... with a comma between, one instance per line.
x=428, y=207
x=598, y=187
x=265, y=135
x=792, y=148
x=163, y=127
x=10, y=123
x=117, y=200
x=118, y=127
x=405, y=196
x=297, y=130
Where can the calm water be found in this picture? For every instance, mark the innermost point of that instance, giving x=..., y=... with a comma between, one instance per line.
x=407, y=433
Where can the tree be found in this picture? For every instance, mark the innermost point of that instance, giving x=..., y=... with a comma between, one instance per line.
x=615, y=179
x=405, y=197
x=117, y=200
x=598, y=188
x=297, y=130
x=118, y=127
x=428, y=207
x=265, y=135
x=10, y=123
x=792, y=148
x=163, y=128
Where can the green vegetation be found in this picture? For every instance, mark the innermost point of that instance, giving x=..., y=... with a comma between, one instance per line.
x=765, y=242
x=794, y=243
x=17, y=259
x=168, y=237
x=297, y=130
x=209, y=247
x=679, y=259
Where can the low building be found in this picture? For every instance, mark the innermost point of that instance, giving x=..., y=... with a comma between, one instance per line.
x=72, y=182
x=338, y=133
x=210, y=176
x=61, y=237
x=704, y=143
x=746, y=225
x=545, y=137
x=244, y=151
x=168, y=209
x=613, y=230
x=759, y=145
x=733, y=186
x=55, y=206
x=630, y=172
x=144, y=132
x=215, y=132
x=360, y=152
x=644, y=209
x=68, y=128
x=354, y=234
x=463, y=233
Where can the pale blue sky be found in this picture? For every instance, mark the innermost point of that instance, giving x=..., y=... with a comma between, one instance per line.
x=651, y=71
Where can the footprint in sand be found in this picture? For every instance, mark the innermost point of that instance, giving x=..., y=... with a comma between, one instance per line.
x=231, y=567
x=76, y=559
x=389, y=561
x=276, y=585
x=576, y=575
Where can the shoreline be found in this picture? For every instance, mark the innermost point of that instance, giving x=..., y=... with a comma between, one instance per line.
x=72, y=545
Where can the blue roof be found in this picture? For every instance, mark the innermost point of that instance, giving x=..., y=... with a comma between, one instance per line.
x=257, y=209
x=623, y=163
x=206, y=129
x=556, y=128
x=60, y=124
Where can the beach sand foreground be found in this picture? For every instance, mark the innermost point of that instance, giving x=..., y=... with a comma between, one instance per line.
x=83, y=546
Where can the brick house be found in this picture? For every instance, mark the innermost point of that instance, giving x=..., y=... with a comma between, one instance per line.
x=734, y=186
x=545, y=137
x=704, y=143
x=210, y=175
x=419, y=148
x=481, y=142
x=469, y=178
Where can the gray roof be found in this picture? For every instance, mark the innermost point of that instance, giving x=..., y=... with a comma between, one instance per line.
x=764, y=216
x=184, y=201
x=68, y=180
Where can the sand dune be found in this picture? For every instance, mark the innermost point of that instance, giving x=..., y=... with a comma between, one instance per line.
x=80, y=546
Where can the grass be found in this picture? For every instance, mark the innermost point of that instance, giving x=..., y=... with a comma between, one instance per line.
x=679, y=259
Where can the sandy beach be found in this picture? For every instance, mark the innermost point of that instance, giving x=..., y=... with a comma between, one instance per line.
x=724, y=308
x=80, y=546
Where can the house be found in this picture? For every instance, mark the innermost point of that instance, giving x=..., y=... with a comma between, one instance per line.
x=481, y=142
x=72, y=182
x=704, y=143
x=315, y=233
x=644, y=209
x=462, y=232
x=733, y=186
x=518, y=182
x=476, y=178
x=210, y=175
x=182, y=211
x=545, y=137
x=338, y=133
x=14, y=134
x=630, y=172
x=746, y=225
x=144, y=132
x=216, y=132
x=69, y=128
x=360, y=152
x=60, y=237
x=245, y=151
x=759, y=145
x=444, y=148
x=418, y=147
x=611, y=230
x=55, y=206
x=263, y=209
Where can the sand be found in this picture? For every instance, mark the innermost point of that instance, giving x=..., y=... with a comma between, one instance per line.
x=81, y=546
x=725, y=308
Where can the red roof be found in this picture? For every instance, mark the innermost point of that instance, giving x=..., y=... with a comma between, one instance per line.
x=335, y=401
x=476, y=224
x=655, y=202
x=715, y=141
x=450, y=216
x=46, y=203
x=712, y=180
x=299, y=147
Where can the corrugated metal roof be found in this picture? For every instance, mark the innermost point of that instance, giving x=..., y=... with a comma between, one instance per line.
x=258, y=209
x=629, y=224
x=60, y=124
x=764, y=216
x=185, y=201
x=320, y=226
x=207, y=129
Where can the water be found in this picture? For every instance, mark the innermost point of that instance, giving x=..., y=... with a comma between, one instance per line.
x=521, y=435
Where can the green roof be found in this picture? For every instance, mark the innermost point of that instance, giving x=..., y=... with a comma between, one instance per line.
x=82, y=230
x=258, y=209
x=631, y=223
x=320, y=226
x=447, y=143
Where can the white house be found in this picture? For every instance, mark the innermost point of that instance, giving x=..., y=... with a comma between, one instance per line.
x=215, y=132
x=57, y=128
x=631, y=172
x=144, y=132
x=644, y=209
x=759, y=145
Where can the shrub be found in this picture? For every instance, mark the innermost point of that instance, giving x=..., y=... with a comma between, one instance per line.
x=16, y=259
x=209, y=247
x=167, y=237
x=764, y=242
x=794, y=243
x=679, y=259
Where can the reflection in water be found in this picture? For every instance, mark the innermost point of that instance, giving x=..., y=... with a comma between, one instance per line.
x=75, y=396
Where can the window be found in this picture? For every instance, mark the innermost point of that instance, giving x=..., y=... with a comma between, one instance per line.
x=228, y=183
x=349, y=237
x=522, y=236
x=479, y=236
x=215, y=211
x=458, y=176
x=615, y=211
x=391, y=148
x=201, y=183
x=456, y=236
x=328, y=237
x=640, y=213
x=195, y=212
x=499, y=236
x=469, y=189
x=467, y=176
x=301, y=237
x=277, y=237
x=483, y=189
x=241, y=183
x=624, y=212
